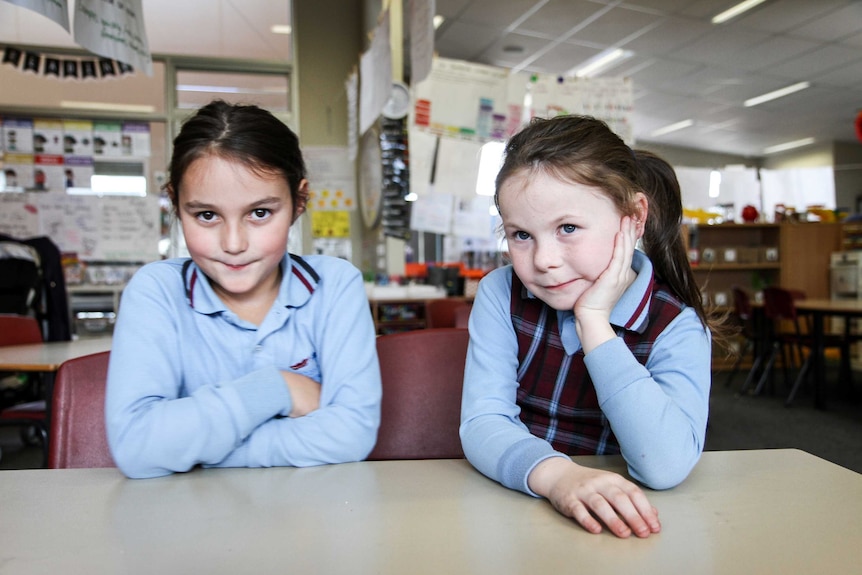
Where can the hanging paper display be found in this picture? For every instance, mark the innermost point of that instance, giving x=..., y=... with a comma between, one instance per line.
x=114, y=30
x=479, y=102
x=64, y=67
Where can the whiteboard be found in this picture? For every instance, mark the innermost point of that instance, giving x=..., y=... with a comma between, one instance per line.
x=109, y=228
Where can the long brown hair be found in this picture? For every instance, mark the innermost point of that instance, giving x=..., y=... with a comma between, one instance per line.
x=584, y=150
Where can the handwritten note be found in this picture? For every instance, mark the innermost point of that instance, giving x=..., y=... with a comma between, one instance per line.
x=97, y=228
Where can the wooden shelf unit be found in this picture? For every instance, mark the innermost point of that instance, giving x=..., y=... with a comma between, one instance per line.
x=803, y=256
x=395, y=315
x=803, y=261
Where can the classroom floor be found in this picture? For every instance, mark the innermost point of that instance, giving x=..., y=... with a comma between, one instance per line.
x=736, y=422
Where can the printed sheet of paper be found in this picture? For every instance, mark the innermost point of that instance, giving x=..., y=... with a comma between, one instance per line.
x=114, y=30
x=375, y=76
x=56, y=10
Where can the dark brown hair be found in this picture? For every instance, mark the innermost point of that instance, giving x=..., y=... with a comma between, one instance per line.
x=246, y=134
x=584, y=150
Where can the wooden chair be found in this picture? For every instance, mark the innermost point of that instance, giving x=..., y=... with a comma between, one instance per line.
x=779, y=307
x=743, y=315
x=29, y=416
x=422, y=373
x=78, y=437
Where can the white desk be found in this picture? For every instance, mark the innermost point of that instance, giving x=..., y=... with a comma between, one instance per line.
x=772, y=511
x=47, y=357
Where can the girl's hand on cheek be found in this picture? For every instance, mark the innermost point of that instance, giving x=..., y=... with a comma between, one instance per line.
x=606, y=291
x=593, y=308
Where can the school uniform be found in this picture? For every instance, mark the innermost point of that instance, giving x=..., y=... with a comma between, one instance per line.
x=530, y=393
x=191, y=383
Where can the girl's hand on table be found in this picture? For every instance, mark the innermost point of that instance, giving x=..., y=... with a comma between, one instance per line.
x=593, y=497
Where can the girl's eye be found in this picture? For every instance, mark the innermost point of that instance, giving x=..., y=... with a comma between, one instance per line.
x=206, y=216
x=521, y=235
x=260, y=214
x=569, y=228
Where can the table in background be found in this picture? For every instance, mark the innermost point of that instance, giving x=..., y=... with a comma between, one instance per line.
x=47, y=357
x=763, y=511
x=819, y=309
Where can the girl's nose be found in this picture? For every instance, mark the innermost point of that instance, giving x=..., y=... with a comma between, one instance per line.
x=546, y=256
x=234, y=239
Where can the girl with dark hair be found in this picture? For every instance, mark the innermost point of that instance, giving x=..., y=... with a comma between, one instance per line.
x=585, y=345
x=243, y=355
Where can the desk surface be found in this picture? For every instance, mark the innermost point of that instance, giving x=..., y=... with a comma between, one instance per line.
x=831, y=306
x=49, y=356
x=767, y=511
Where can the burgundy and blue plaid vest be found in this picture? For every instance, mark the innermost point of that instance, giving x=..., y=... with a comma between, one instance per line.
x=556, y=394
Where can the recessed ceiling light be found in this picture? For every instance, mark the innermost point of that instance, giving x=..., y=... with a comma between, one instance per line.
x=281, y=29
x=788, y=145
x=672, y=128
x=735, y=11
x=777, y=94
x=438, y=20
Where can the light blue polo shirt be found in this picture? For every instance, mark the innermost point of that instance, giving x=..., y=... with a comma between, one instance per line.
x=191, y=383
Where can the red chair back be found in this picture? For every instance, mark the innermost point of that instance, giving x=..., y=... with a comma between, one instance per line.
x=462, y=315
x=741, y=303
x=441, y=312
x=78, y=437
x=422, y=373
x=19, y=330
x=778, y=304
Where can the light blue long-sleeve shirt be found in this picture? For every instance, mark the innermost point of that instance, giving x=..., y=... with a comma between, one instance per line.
x=191, y=383
x=658, y=411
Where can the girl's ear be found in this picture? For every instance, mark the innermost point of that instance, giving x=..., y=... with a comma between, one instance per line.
x=641, y=212
x=301, y=199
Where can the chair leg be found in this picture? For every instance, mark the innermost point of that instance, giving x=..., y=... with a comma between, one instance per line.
x=767, y=370
x=803, y=373
x=735, y=369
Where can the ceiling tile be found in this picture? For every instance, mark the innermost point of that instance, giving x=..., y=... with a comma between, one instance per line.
x=617, y=25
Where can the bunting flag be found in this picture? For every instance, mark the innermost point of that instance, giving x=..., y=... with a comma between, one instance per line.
x=67, y=68
x=12, y=56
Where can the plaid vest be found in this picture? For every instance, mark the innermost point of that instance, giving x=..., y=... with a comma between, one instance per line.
x=556, y=394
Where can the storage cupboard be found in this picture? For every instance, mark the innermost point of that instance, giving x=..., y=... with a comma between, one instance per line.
x=753, y=256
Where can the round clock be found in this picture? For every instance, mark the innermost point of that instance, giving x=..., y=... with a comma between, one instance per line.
x=398, y=103
x=370, y=178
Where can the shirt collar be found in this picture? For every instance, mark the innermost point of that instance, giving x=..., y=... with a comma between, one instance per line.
x=632, y=309
x=298, y=283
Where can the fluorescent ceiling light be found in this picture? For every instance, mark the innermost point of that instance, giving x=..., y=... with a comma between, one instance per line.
x=281, y=29
x=735, y=11
x=672, y=128
x=788, y=145
x=601, y=62
x=777, y=94
x=107, y=107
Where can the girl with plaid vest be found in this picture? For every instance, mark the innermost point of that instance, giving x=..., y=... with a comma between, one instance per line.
x=584, y=344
